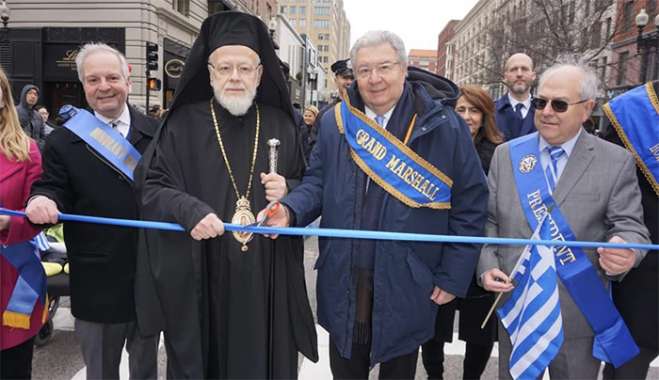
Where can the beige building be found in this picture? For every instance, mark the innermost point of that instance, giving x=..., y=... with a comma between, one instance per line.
x=326, y=25
x=44, y=37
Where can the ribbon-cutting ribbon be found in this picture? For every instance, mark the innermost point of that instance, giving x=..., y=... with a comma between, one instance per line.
x=343, y=233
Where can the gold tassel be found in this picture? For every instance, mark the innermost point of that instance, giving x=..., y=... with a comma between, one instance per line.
x=46, y=306
x=17, y=320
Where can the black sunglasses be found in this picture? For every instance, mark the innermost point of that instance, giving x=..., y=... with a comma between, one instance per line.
x=557, y=105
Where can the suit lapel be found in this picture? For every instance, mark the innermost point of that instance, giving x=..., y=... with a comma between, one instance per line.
x=579, y=160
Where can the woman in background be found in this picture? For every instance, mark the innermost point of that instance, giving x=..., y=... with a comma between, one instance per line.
x=309, y=132
x=22, y=303
x=477, y=109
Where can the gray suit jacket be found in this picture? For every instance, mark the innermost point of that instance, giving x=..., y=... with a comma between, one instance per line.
x=597, y=193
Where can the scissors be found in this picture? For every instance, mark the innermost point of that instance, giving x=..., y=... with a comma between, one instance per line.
x=269, y=212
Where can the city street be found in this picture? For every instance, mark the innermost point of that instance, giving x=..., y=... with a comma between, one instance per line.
x=60, y=358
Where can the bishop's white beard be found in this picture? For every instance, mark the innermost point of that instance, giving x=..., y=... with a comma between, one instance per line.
x=236, y=105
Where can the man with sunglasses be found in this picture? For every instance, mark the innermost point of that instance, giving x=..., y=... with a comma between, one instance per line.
x=389, y=157
x=587, y=188
x=514, y=114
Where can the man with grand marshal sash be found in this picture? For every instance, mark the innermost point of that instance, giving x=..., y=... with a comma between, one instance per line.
x=392, y=157
x=589, y=190
x=634, y=118
x=88, y=169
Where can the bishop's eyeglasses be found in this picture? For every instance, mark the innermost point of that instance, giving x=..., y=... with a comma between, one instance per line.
x=226, y=70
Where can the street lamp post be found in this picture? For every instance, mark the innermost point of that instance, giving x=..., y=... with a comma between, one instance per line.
x=645, y=42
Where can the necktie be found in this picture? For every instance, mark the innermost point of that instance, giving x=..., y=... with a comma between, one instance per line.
x=518, y=110
x=380, y=120
x=555, y=154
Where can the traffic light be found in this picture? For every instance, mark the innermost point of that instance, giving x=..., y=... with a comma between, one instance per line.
x=151, y=56
x=153, y=84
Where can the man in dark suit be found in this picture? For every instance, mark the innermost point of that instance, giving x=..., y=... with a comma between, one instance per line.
x=514, y=114
x=595, y=188
x=78, y=179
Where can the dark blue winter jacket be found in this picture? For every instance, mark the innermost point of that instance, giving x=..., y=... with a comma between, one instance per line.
x=405, y=273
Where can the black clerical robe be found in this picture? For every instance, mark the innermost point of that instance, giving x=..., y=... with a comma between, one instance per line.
x=226, y=313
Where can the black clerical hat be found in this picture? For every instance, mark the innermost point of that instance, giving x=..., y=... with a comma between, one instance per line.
x=341, y=67
x=232, y=28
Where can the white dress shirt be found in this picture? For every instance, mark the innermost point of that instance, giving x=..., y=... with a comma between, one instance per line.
x=122, y=122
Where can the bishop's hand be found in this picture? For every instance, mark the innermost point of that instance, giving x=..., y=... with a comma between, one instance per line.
x=275, y=186
x=210, y=226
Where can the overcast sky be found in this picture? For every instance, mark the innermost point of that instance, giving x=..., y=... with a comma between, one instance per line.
x=417, y=22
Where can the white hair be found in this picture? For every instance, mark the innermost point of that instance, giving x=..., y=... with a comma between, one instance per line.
x=379, y=37
x=589, y=84
x=236, y=105
x=93, y=48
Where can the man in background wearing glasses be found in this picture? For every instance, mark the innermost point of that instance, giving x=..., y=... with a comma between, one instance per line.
x=586, y=182
x=389, y=157
x=514, y=114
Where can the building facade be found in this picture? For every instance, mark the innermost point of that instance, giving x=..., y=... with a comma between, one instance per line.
x=468, y=57
x=425, y=59
x=305, y=74
x=547, y=31
x=326, y=25
x=627, y=59
x=444, y=56
x=43, y=39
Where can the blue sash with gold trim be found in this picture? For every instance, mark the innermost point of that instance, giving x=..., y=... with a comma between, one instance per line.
x=30, y=286
x=104, y=139
x=390, y=163
x=635, y=117
x=613, y=342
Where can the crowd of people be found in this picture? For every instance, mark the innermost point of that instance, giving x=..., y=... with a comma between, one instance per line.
x=401, y=150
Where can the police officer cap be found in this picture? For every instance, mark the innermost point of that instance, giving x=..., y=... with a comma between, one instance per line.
x=341, y=67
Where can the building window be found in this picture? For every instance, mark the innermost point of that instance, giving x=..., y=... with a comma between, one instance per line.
x=302, y=23
x=302, y=10
x=651, y=6
x=622, y=67
x=183, y=6
x=321, y=24
x=603, y=70
x=321, y=11
x=283, y=9
x=596, y=35
x=628, y=15
x=293, y=10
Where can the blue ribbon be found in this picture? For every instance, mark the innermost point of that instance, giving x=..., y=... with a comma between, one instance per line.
x=635, y=116
x=31, y=283
x=342, y=233
x=104, y=139
x=390, y=163
x=613, y=341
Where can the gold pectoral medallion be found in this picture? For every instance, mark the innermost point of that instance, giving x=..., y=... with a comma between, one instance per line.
x=243, y=216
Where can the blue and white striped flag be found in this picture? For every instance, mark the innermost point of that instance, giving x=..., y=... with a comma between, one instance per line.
x=532, y=315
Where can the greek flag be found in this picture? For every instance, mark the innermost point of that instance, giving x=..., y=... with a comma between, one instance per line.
x=532, y=315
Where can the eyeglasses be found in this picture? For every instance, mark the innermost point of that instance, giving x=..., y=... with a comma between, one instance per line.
x=383, y=69
x=225, y=70
x=556, y=105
